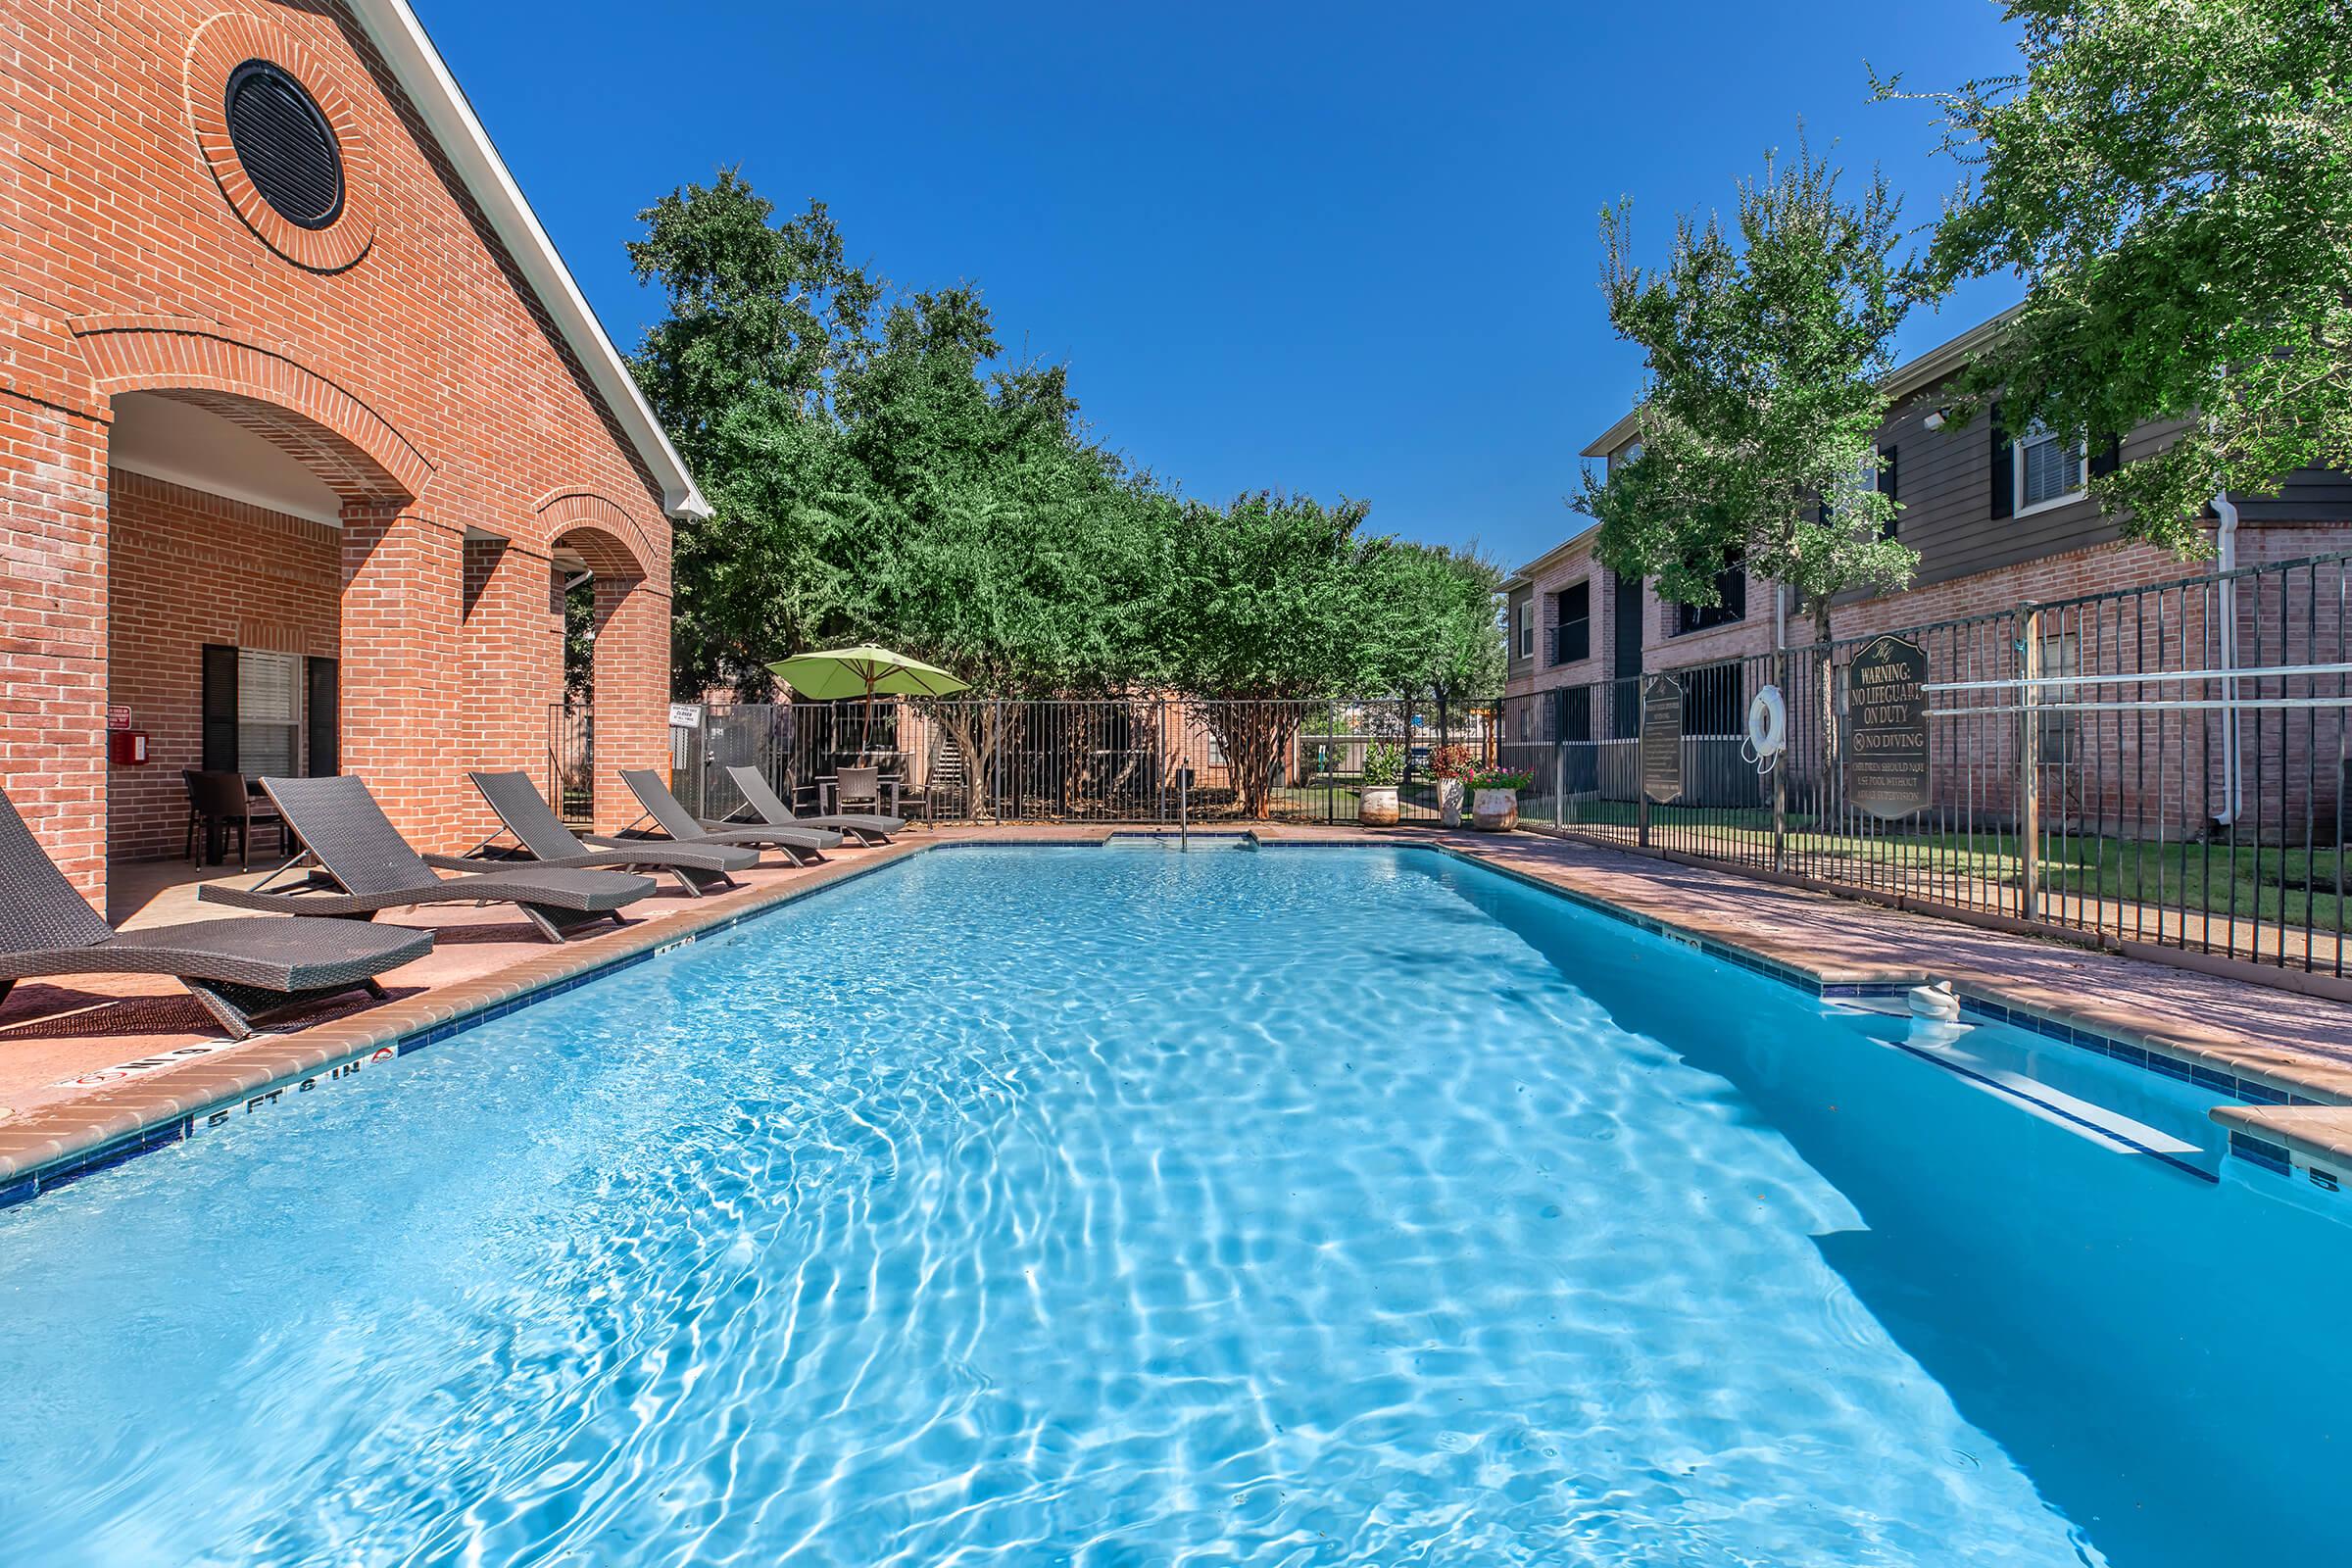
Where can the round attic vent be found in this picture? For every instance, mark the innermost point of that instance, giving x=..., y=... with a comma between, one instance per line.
x=284, y=141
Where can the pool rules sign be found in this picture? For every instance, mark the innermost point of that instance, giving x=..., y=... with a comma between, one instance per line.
x=1886, y=711
x=1661, y=748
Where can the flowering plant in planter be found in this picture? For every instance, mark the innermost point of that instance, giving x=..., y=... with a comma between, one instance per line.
x=1495, y=808
x=1453, y=761
x=1452, y=767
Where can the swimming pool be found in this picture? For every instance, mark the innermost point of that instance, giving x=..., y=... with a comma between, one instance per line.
x=1296, y=1206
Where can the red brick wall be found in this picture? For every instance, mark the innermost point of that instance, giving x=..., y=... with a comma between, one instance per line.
x=400, y=357
x=190, y=568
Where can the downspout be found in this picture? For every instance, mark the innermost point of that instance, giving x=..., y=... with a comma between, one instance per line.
x=2227, y=538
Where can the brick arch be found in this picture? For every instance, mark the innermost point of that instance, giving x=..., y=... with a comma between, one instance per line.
x=352, y=447
x=600, y=528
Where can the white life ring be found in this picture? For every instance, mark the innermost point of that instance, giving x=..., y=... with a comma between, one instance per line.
x=1767, y=724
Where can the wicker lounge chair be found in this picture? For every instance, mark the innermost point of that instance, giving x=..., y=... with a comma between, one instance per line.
x=359, y=866
x=237, y=969
x=763, y=803
x=671, y=815
x=546, y=841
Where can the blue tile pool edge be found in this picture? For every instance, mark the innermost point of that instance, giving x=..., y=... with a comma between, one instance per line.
x=66, y=1169
x=1981, y=1006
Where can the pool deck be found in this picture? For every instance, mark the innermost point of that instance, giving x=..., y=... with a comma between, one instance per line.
x=88, y=1067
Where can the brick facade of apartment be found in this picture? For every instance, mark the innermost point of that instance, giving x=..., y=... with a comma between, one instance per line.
x=402, y=355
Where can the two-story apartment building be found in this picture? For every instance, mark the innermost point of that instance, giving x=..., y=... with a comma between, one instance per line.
x=1999, y=520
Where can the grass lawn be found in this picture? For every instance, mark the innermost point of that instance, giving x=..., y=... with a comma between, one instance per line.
x=2241, y=881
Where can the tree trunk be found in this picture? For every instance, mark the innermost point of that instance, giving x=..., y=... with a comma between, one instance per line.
x=1252, y=732
x=971, y=723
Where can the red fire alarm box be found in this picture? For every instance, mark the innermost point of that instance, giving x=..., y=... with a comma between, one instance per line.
x=126, y=746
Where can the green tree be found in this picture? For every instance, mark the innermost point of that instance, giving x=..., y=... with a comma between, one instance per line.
x=1759, y=424
x=1260, y=607
x=1437, y=613
x=764, y=320
x=2173, y=180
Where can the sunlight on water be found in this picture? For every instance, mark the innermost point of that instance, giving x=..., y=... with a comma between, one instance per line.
x=1049, y=1206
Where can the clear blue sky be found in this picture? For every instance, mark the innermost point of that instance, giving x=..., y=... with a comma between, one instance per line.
x=1340, y=249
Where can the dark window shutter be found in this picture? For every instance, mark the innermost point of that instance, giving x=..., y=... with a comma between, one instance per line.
x=219, y=708
x=1887, y=487
x=2004, y=470
x=2107, y=456
x=322, y=716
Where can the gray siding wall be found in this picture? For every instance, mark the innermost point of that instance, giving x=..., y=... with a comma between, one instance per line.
x=1944, y=481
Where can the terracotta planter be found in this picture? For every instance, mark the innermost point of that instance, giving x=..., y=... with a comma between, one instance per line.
x=1376, y=805
x=1449, y=802
x=1494, y=810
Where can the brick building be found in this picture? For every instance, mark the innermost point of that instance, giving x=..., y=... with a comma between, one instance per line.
x=2000, y=521
x=304, y=429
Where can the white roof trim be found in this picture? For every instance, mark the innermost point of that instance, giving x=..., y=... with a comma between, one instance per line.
x=425, y=77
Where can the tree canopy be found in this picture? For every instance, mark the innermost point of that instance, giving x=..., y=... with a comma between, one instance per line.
x=1758, y=426
x=879, y=473
x=2173, y=180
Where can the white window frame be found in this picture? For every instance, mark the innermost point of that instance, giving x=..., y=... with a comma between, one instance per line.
x=1527, y=631
x=2037, y=436
x=292, y=724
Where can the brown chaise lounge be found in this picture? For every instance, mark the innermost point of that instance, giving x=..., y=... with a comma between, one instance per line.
x=546, y=841
x=671, y=815
x=358, y=865
x=768, y=806
x=239, y=969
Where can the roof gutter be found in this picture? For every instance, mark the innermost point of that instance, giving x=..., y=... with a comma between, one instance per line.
x=438, y=98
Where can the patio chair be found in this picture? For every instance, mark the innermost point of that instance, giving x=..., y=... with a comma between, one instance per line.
x=863, y=787
x=360, y=866
x=766, y=804
x=237, y=969
x=671, y=815
x=220, y=803
x=546, y=841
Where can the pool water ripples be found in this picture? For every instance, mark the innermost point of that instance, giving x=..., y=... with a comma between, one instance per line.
x=1032, y=1208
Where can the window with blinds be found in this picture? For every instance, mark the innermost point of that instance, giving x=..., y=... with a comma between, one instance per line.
x=2048, y=471
x=268, y=713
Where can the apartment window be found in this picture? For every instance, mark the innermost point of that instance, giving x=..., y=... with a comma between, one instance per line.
x=1572, y=630
x=2047, y=472
x=1526, y=613
x=268, y=713
x=1730, y=592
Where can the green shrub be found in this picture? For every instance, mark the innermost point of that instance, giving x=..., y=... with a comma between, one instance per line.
x=1384, y=762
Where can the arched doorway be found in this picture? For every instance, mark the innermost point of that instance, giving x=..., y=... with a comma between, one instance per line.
x=615, y=642
x=226, y=531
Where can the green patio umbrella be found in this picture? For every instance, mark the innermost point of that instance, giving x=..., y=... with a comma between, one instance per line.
x=861, y=671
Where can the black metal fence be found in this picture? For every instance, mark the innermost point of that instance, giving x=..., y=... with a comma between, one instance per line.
x=2162, y=768
x=2158, y=768
x=1115, y=760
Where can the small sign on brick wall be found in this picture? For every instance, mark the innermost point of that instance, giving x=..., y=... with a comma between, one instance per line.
x=118, y=717
x=685, y=716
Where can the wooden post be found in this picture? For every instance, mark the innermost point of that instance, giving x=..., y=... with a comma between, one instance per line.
x=2028, y=766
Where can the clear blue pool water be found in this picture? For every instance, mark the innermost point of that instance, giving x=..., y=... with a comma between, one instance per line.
x=1303, y=1207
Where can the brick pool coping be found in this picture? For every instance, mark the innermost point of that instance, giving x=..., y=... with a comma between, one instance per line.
x=2294, y=1092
